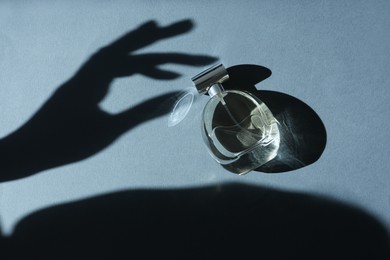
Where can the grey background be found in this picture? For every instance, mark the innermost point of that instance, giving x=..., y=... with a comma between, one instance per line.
x=332, y=55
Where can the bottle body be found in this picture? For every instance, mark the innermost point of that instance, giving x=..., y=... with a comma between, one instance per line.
x=240, y=131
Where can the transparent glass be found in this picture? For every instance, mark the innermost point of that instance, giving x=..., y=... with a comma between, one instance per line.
x=240, y=131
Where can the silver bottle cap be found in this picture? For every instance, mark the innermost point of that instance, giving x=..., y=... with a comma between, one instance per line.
x=204, y=80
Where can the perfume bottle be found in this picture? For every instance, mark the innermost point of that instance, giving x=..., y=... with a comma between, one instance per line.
x=239, y=130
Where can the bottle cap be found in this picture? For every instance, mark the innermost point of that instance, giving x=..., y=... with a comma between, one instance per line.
x=204, y=80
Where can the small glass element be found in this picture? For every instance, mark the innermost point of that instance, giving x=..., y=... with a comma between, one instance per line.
x=237, y=127
x=181, y=107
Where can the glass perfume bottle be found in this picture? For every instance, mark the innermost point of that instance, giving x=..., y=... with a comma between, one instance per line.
x=239, y=130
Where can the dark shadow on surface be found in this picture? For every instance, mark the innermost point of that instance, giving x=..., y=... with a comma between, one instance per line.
x=230, y=221
x=70, y=126
x=302, y=133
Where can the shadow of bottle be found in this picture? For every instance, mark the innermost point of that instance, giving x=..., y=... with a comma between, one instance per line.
x=302, y=133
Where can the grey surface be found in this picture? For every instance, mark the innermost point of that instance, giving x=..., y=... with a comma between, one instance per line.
x=332, y=55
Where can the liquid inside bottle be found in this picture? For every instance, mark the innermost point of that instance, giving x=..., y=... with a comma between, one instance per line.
x=240, y=131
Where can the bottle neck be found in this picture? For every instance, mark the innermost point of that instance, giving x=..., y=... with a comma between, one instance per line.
x=215, y=90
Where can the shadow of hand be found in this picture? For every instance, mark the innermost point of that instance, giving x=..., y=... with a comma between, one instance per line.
x=70, y=126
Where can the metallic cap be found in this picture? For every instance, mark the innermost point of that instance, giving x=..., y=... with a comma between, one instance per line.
x=204, y=80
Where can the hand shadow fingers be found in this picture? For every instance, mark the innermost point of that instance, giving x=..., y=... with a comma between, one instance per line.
x=161, y=74
x=147, y=34
x=146, y=64
x=147, y=110
x=172, y=57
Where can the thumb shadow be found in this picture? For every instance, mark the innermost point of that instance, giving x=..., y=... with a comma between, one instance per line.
x=302, y=133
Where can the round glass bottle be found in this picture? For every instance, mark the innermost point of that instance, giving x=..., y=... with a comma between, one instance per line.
x=237, y=127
